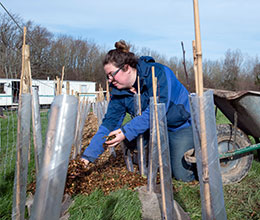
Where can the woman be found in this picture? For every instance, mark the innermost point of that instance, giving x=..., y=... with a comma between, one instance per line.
x=122, y=68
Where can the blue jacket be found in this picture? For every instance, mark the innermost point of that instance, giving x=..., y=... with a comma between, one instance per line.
x=170, y=91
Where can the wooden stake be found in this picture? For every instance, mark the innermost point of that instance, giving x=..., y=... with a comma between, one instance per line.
x=159, y=144
x=195, y=66
x=25, y=74
x=107, y=88
x=25, y=83
x=101, y=94
x=23, y=58
x=68, y=88
x=205, y=171
x=139, y=95
x=61, y=82
x=18, y=174
x=198, y=47
x=141, y=136
x=58, y=86
x=76, y=147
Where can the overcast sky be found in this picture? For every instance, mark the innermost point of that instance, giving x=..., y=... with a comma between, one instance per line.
x=160, y=25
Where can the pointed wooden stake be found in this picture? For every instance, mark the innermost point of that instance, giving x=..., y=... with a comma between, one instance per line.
x=204, y=152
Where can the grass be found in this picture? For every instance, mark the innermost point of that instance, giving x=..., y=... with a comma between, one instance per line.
x=120, y=205
x=221, y=118
x=6, y=194
x=8, y=156
x=242, y=200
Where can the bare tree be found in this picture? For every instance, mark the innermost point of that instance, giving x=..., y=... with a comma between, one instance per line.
x=10, y=49
x=256, y=74
x=40, y=43
x=231, y=69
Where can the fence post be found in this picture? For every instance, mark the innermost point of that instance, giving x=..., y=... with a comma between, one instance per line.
x=23, y=136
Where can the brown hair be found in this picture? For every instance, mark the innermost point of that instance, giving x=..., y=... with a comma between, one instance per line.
x=121, y=55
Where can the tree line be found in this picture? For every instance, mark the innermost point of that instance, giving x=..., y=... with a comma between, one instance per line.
x=82, y=59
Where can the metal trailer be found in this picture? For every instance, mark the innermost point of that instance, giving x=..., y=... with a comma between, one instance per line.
x=10, y=88
x=242, y=108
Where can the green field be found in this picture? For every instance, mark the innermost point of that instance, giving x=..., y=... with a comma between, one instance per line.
x=242, y=200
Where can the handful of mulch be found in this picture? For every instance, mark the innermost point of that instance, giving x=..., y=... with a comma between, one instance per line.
x=108, y=138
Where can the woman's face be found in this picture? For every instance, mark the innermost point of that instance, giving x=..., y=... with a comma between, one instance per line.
x=119, y=77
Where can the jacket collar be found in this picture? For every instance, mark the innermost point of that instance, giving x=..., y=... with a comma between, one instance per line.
x=143, y=70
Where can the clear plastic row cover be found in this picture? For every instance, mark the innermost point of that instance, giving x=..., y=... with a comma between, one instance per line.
x=154, y=154
x=52, y=176
x=21, y=170
x=205, y=105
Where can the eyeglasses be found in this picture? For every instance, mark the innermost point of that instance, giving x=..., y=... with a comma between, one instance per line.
x=114, y=73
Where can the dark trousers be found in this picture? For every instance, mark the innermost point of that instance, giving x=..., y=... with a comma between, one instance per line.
x=179, y=142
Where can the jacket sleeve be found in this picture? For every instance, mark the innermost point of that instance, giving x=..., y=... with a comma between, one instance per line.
x=95, y=147
x=137, y=125
x=113, y=120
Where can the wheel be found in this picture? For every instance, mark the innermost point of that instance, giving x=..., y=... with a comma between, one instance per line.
x=236, y=168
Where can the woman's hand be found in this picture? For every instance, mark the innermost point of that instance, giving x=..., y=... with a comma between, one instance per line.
x=85, y=161
x=117, y=140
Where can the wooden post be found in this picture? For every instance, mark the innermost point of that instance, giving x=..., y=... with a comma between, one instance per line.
x=75, y=146
x=25, y=87
x=25, y=74
x=23, y=58
x=101, y=94
x=68, y=88
x=61, y=82
x=58, y=86
x=141, y=136
x=159, y=145
x=107, y=88
x=195, y=66
x=205, y=170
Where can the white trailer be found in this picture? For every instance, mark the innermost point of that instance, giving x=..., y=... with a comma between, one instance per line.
x=10, y=89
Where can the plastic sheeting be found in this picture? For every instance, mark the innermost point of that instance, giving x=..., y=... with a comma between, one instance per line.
x=127, y=157
x=21, y=170
x=81, y=118
x=84, y=115
x=215, y=180
x=37, y=129
x=166, y=184
x=52, y=176
x=101, y=109
x=140, y=141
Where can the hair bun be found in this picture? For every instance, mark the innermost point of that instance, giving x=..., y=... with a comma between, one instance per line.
x=122, y=46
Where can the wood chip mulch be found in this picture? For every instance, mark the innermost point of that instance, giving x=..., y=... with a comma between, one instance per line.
x=108, y=173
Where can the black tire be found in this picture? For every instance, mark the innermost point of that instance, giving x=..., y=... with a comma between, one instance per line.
x=236, y=168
